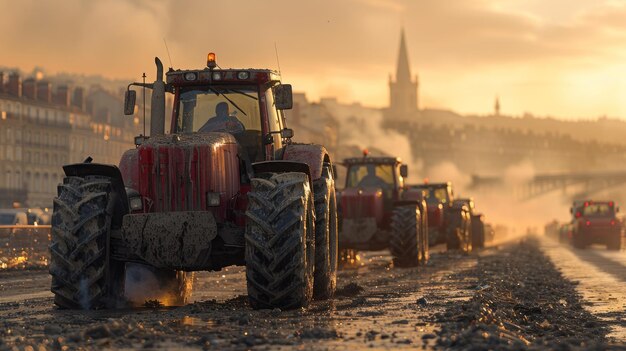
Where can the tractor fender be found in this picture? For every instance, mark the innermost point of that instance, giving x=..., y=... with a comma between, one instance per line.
x=311, y=154
x=128, y=168
x=281, y=166
x=118, y=192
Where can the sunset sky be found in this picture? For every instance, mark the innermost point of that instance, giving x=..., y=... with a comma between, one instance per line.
x=565, y=58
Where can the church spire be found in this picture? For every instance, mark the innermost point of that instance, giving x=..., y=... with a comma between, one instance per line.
x=403, y=71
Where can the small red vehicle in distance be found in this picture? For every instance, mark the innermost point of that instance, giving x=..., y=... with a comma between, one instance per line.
x=595, y=222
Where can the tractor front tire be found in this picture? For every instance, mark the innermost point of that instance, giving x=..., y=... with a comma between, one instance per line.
x=280, y=241
x=83, y=276
x=453, y=239
x=404, y=240
x=325, y=278
x=425, y=254
x=615, y=243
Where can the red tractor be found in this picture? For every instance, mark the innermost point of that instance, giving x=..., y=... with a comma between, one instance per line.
x=225, y=187
x=439, y=198
x=377, y=212
x=595, y=222
x=477, y=223
x=448, y=222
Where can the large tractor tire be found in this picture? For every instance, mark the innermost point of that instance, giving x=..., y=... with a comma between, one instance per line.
x=424, y=238
x=280, y=241
x=453, y=239
x=615, y=242
x=578, y=242
x=325, y=278
x=478, y=240
x=83, y=276
x=404, y=243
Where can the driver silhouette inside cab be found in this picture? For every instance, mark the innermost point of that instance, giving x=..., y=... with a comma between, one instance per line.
x=223, y=121
x=371, y=180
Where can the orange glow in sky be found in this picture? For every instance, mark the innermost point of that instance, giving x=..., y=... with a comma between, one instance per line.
x=560, y=57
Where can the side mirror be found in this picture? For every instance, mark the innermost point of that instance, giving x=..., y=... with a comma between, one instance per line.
x=404, y=171
x=283, y=97
x=286, y=133
x=129, y=102
x=571, y=210
x=139, y=139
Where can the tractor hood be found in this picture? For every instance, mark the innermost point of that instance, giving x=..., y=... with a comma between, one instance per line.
x=362, y=203
x=178, y=172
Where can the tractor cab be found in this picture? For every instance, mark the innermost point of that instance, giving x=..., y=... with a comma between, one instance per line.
x=245, y=103
x=384, y=173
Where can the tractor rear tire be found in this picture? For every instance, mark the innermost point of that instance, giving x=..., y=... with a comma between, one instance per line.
x=403, y=242
x=83, y=276
x=453, y=239
x=325, y=278
x=280, y=241
x=425, y=255
x=615, y=243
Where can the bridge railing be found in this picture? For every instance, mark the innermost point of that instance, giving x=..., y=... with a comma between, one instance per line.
x=24, y=246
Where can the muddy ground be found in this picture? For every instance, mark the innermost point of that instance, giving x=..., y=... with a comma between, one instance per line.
x=505, y=297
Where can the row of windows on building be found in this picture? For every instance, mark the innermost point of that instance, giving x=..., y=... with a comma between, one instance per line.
x=32, y=181
x=43, y=114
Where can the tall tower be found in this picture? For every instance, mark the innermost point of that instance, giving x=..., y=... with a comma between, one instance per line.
x=496, y=106
x=403, y=103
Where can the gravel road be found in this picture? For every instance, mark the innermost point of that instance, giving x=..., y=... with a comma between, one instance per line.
x=510, y=296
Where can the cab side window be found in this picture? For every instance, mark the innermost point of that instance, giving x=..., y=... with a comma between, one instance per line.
x=275, y=120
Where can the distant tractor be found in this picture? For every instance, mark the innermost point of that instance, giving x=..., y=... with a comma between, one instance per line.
x=377, y=212
x=446, y=221
x=477, y=223
x=439, y=199
x=595, y=222
x=459, y=227
x=225, y=187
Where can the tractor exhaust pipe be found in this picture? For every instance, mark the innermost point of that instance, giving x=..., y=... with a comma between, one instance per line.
x=157, y=117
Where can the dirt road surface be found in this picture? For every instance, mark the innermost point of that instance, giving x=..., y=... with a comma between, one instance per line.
x=510, y=296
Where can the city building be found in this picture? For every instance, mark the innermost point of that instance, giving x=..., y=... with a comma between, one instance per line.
x=44, y=127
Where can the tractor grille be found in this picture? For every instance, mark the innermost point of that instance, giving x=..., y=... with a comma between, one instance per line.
x=176, y=186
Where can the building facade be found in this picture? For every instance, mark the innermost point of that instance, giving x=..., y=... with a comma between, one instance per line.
x=42, y=129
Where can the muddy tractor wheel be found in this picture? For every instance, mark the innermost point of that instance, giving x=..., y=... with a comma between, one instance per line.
x=478, y=240
x=425, y=254
x=453, y=239
x=82, y=274
x=325, y=278
x=404, y=239
x=578, y=242
x=280, y=241
x=615, y=243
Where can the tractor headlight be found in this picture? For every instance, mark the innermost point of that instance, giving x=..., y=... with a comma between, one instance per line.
x=136, y=203
x=191, y=76
x=243, y=75
x=217, y=76
x=212, y=199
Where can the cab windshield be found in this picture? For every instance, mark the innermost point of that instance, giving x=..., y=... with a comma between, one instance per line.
x=370, y=176
x=435, y=195
x=598, y=210
x=217, y=109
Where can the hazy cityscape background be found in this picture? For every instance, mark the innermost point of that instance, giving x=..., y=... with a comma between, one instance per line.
x=487, y=94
